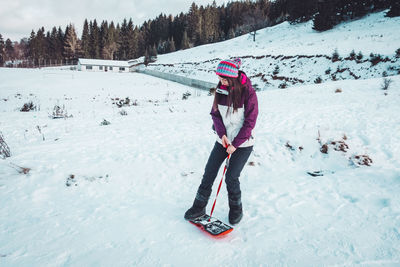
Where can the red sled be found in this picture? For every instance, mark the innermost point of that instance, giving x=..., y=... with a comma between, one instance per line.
x=214, y=226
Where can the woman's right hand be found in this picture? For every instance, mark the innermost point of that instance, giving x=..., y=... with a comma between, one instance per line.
x=225, y=141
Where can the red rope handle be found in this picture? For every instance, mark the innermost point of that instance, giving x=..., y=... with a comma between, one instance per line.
x=219, y=187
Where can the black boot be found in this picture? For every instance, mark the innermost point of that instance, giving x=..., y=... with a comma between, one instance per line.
x=235, y=208
x=199, y=205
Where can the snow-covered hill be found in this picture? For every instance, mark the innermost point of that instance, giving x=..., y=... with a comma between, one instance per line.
x=301, y=54
x=321, y=188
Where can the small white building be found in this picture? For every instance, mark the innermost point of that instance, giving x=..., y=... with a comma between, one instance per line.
x=85, y=64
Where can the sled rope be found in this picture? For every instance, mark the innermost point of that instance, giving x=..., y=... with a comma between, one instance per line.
x=219, y=187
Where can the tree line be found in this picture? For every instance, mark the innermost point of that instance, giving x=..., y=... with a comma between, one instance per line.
x=164, y=34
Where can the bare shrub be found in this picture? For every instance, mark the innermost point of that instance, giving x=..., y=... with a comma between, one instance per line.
x=123, y=112
x=352, y=55
x=283, y=85
x=386, y=83
x=324, y=149
x=59, y=113
x=40, y=131
x=335, y=56
x=359, y=57
x=361, y=160
x=186, y=95
x=289, y=146
x=28, y=107
x=337, y=145
x=375, y=59
x=318, y=80
x=105, y=122
x=124, y=102
x=4, y=149
x=340, y=146
x=73, y=180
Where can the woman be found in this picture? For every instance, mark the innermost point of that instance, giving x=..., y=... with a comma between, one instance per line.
x=234, y=115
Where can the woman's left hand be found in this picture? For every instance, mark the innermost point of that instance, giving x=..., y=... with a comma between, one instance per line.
x=230, y=149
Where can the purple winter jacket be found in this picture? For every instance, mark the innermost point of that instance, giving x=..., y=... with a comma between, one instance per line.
x=237, y=126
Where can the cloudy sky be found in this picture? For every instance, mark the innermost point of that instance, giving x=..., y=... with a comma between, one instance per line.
x=19, y=17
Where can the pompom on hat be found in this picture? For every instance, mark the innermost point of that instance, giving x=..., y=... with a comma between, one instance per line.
x=229, y=68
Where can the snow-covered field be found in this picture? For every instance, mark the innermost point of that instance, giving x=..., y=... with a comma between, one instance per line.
x=134, y=178
x=302, y=54
x=115, y=195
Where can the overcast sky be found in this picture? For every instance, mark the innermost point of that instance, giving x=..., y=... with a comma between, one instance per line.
x=19, y=17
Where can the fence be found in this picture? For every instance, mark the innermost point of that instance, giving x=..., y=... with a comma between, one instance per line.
x=179, y=79
x=39, y=63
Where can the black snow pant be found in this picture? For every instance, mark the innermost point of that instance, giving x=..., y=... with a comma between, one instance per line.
x=236, y=163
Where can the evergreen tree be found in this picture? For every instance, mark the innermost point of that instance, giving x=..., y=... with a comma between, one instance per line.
x=185, y=41
x=253, y=21
x=325, y=18
x=381, y=4
x=277, y=12
x=85, y=40
x=71, y=44
x=231, y=33
x=213, y=23
x=394, y=8
x=109, y=46
x=145, y=36
x=60, y=43
x=32, y=46
x=135, y=43
x=161, y=47
x=52, y=43
x=9, y=50
x=141, y=44
x=359, y=8
x=178, y=29
x=48, y=47
x=21, y=49
x=40, y=46
x=132, y=40
x=123, y=43
x=153, y=52
x=195, y=24
x=103, y=35
x=2, y=54
x=146, y=57
x=94, y=46
x=112, y=46
x=171, y=45
x=300, y=11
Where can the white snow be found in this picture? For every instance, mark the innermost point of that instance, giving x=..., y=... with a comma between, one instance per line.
x=135, y=178
x=301, y=53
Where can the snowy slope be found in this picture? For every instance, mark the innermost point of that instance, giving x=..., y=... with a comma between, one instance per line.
x=301, y=53
x=134, y=179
